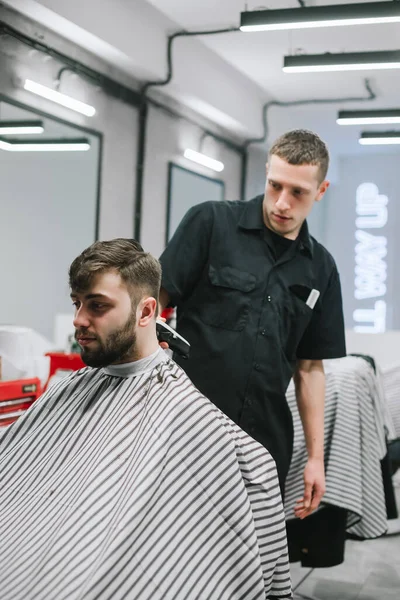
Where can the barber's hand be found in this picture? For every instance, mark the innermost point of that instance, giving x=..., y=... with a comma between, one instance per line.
x=314, y=488
x=163, y=345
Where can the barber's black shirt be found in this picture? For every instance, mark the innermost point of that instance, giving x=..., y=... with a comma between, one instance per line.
x=277, y=243
x=241, y=298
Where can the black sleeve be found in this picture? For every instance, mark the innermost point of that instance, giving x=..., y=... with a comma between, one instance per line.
x=186, y=255
x=325, y=336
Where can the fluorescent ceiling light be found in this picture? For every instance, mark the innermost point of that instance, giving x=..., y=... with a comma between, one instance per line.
x=204, y=160
x=352, y=61
x=381, y=138
x=67, y=101
x=21, y=127
x=368, y=117
x=363, y=13
x=60, y=145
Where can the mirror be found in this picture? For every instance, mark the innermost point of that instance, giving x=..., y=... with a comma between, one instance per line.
x=186, y=189
x=49, y=212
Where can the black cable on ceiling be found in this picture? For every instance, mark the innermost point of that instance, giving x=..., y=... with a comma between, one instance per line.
x=143, y=121
x=141, y=101
x=110, y=86
x=171, y=39
x=236, y=147
x=371, y=96
x=138, y=99
x=60, y=74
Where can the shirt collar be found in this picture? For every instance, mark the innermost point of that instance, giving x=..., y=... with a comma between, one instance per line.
x=138, y=367
x=305, y=240
x=252, y=216
x=252, y=219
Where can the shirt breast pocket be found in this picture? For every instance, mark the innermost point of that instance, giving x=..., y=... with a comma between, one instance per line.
x=295, y=319
x=228, y=304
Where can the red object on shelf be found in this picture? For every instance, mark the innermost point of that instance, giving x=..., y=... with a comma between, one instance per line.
x=60, y=360
x=16, y=397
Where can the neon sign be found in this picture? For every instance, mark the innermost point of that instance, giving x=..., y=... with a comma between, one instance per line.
x=370, y=255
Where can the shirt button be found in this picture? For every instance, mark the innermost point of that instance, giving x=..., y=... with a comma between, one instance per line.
x=263, y=332
x=257, y=367
x=269, y=298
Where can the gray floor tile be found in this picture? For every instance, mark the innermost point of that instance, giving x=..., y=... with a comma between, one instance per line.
x=379, y=594
x=387, y=575
x=325, y=589
x=370, y=571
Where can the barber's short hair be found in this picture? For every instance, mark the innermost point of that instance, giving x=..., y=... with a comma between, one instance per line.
x=139, y=270
x=302, y=147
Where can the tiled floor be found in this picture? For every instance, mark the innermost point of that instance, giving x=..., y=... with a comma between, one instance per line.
x=371, y=570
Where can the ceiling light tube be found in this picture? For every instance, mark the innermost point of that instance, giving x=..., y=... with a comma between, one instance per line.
x=363, y=13
x=204, y=160
x=54, y=96
x=368, y=117
x=379, y=138
x=58, y=145
x=352, y=61
x=21, y=127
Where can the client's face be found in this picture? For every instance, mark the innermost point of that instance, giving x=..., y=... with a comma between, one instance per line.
x=105, y=322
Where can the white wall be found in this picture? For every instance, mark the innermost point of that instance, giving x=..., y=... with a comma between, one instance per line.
x=133, y=36
x=383, y=347
x=115, y=120
x=255, y=180
x=318, y=118
x=167, y=139
x=167, y=136
x=47, y=217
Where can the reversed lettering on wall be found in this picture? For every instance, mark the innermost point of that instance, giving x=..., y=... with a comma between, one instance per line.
x=370, y=259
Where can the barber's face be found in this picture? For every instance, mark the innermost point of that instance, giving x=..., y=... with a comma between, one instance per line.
x=290, y=193
x=105, y=321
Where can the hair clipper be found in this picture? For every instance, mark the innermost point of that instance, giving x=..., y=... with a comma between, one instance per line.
x=176, y=342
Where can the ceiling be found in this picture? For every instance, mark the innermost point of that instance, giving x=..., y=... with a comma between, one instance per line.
x=260, y=55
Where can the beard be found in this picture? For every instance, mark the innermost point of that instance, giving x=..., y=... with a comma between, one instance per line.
x=118, y=346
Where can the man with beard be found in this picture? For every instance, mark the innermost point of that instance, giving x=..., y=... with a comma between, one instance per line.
x=123, y=480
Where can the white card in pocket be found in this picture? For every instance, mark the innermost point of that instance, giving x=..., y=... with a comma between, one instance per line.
x=312, y=298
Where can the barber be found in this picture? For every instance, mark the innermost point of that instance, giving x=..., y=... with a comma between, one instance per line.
x=259, y=300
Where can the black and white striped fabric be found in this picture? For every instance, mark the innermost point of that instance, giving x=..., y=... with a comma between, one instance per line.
x=137, y=488
x=354, y=446
x=391, y=384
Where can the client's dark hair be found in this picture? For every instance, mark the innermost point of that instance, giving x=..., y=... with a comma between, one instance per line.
x=139, y=270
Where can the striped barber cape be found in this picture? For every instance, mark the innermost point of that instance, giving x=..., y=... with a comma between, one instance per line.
x=391, y=384
x=355, y=427
x=131, y=484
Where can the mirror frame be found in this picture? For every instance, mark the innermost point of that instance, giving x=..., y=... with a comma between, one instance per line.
x=171, y=166
x=93, y=132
